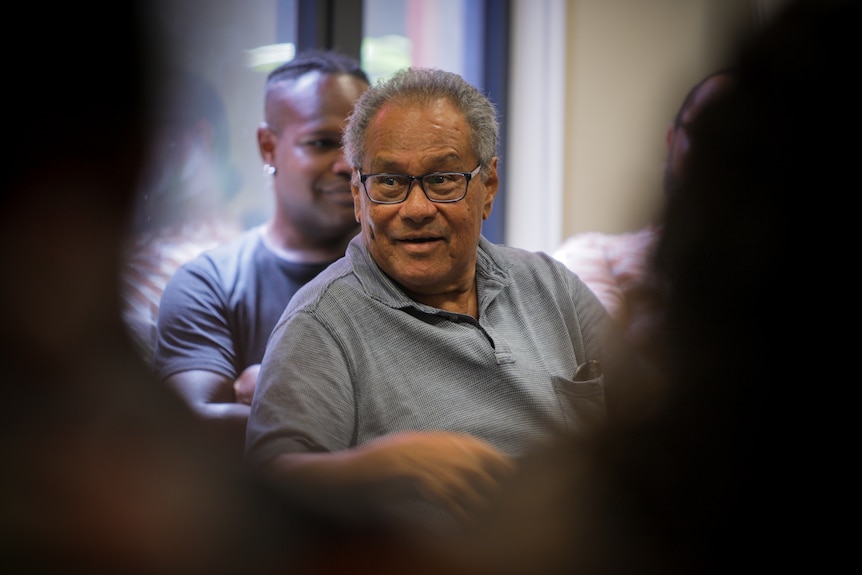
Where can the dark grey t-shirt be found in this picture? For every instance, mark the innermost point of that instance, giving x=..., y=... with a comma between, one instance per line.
x=218, y=310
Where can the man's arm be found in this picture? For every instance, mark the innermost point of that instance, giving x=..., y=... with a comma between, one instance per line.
x=212, y=398
x=246, y=383
x=457, y=472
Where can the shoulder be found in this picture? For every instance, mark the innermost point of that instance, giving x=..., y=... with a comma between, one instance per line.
x=590, y=242
x=635, y=245
x=508, y=259
x=539, y=282
x=241, y=247
x=323, y=288
x=526, y=270
x=229, y=258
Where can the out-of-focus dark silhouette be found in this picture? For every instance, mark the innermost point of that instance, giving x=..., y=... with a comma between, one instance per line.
x=720, y=472
x=107, y=472
x=104, y=469
x=617, y=267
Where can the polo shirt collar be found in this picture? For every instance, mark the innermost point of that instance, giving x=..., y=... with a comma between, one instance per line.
x=492, y=275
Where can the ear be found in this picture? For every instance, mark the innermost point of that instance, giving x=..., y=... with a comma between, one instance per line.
x=266, y=143
x=491, y=185
x=357, y=197
x=668, y=136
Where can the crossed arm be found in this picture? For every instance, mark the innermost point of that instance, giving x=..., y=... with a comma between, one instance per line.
x=223, y=404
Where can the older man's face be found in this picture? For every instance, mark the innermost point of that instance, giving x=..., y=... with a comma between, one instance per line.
x=428, y=248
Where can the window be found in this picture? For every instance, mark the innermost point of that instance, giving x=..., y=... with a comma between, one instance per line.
x=468, y=37
x=233, y=44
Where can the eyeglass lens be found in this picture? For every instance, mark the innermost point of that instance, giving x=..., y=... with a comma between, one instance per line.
x=442, y=186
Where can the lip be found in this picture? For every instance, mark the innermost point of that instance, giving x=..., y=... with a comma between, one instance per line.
x=420, y=244
x=419, y=238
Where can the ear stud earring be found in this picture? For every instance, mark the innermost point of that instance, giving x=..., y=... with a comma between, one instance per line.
x=269, y=169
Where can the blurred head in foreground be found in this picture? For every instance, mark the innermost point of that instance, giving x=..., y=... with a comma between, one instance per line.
x=689, y=483
x=104, y=470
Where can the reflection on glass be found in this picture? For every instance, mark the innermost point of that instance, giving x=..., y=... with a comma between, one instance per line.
x=267, y=58
x=434, y=33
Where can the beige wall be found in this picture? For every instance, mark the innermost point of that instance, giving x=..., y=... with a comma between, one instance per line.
x=629, y=64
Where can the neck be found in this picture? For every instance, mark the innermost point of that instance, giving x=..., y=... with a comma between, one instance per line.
x=463, y=302
x=303, y=250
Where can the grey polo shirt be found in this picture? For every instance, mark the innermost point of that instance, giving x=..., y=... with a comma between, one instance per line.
x=353, y=358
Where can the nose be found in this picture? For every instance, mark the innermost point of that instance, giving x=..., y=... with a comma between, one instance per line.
x=417, y=206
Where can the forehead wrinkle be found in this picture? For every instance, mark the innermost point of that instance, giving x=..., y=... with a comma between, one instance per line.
x=393, y=165
x=402, y=137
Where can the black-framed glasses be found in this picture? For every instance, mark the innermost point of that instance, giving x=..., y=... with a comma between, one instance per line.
x=438, y=187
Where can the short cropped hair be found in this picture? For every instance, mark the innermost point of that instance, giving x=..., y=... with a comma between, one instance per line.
x=424, y=86
x=325, y=62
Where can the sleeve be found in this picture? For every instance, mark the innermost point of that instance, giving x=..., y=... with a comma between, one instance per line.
x=629, y=377
x=587, y=255
x=626, y=373
x=304, y=400
x=193, y=326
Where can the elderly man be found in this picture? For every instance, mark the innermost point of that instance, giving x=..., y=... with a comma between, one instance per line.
x=410, y=375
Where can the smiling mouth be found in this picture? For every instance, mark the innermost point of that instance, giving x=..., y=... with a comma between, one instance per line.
x=419, y=240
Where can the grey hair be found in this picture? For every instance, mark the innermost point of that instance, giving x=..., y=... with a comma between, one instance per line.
x=425, y=85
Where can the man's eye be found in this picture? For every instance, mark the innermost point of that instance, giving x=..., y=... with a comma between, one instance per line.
x=323, y=144
x=439, y=179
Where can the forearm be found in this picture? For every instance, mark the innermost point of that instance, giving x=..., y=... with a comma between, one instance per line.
x=349, y=475
x=236, y=412
x=226, y=421
x=455, y=472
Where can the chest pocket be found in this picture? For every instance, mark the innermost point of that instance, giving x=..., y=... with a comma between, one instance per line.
x=582, y=402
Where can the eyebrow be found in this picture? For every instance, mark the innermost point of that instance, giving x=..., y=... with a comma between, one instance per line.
x=393, y=166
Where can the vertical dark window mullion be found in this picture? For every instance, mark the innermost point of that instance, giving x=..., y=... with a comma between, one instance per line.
x=496, y=79
x=286, y=25
x=346, y=29
x=329, y=25
x=312, y=17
